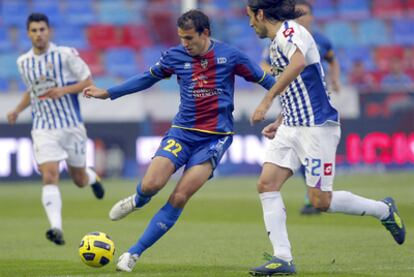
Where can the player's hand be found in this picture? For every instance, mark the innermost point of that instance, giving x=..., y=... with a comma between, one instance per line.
x=95, y=92
x=12, y=117
x=53, y=93
x=270, y=130
x=261, y=110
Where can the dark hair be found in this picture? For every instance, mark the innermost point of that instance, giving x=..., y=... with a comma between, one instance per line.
x=279, y=10
x=305, y=3
x=36, y=17
x=194, y=19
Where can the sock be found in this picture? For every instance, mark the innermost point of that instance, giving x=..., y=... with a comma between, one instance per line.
x=141, y=198
x=348, y=203
x=91, y=176
x=274, y=213
x=162, y=221
x=52, y=204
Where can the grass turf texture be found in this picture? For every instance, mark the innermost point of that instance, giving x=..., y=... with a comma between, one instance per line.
x=220, y=233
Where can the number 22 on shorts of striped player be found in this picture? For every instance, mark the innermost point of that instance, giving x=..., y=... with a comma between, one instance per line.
x=173, y=147
x=313, y=166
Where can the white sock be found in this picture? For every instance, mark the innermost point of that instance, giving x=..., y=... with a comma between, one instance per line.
x=91, y=176
x=52, y=204
x=348, y=203
x=274, y=214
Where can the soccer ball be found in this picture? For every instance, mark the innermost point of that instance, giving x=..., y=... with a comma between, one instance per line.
x=96, y=249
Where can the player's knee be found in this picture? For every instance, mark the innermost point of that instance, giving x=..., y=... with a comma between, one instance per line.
x=264, y=185
x=80, y=178
x=50, y=177
x=178, y=199
x=151, y=185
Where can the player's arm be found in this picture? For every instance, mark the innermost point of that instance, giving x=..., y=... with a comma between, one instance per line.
x=23, y=104
x=252, y=72
x=57, y=92
x=134, y=84
x=291, y=72
x=270, y=130
x=159, y=71
x=334, y=70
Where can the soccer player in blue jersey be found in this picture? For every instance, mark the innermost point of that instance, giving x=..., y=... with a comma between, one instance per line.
x=54, y=75
x=201, y=131
x=327, y=55
x=307, y=134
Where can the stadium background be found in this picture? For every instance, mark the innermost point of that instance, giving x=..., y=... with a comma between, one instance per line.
x=372, y=40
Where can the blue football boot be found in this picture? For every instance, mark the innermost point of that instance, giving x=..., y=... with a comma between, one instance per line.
x=393, y=222
x=274, y=266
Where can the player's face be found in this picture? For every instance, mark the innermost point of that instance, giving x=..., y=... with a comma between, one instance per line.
x=306, y=19
x=38, y=33
x=256, y=22
x=196, y=44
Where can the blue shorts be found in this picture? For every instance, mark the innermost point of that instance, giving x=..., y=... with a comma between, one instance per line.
x=190, y=148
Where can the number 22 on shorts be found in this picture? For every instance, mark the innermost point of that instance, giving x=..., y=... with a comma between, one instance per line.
x=173, y=147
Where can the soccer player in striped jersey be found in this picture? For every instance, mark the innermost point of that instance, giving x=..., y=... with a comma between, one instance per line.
x=327, y=55
x=201, y=131
x=307, y=134
x=54, y=75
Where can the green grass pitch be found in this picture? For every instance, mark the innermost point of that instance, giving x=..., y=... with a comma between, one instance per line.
x=220, y=233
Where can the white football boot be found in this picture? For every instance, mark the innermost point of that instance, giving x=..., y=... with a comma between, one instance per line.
x=126, y=262
x=123, y=208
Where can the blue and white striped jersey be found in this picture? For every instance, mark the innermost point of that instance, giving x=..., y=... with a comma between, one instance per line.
x=59, y=66
x=306, y=101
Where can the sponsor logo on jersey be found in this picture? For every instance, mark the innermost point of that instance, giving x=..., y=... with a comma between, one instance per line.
x=288, y=32
x=327, y=169
x=187, y=65
x=221, y=60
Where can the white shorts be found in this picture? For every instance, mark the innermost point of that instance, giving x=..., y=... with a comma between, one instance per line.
x=60, y=144
x=312, y=147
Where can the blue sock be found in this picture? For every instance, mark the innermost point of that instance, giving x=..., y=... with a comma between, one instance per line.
x=158, y=226
x=141, y=198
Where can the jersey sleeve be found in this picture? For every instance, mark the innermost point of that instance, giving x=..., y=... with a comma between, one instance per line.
x=251, y=71
x=164, y=67
x=77, y=66
x=134, y=84
x=20, y=65
x=290, y=40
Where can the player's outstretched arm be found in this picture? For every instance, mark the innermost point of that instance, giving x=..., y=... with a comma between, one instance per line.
x=95, y=92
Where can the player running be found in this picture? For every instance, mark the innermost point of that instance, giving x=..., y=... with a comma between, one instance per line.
x=54, y=75
x=327, y=55
x=202, y=130
x=308, y=135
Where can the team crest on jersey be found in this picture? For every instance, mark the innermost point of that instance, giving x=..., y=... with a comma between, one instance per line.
x=49, y=66
x=288, y=32
x=327, y=169
x=204, y=63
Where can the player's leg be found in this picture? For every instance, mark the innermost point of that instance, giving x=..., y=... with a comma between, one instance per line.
x=85, y=176
x=320, y=181
x=192, y=180
x=52, y=201
x=270, y=182
x=74, y=141
x=48, y=153
x=156, y=177
x=307, y=208
x=201, y=157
